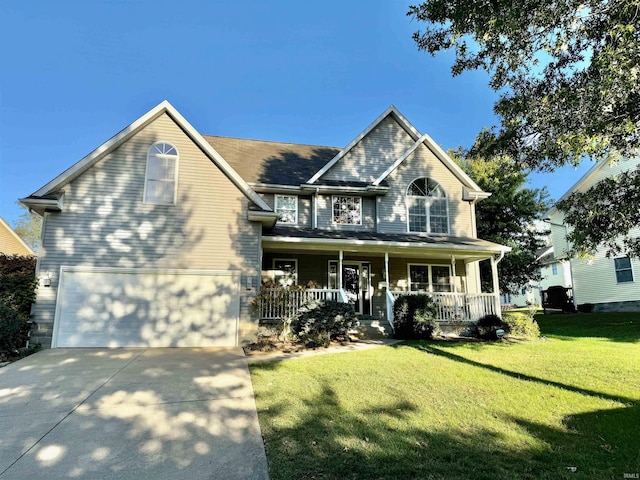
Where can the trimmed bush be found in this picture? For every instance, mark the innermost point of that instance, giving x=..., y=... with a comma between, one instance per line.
x=488, y=325
x=521, y=325
x=17, y=293
x=585, y=307
x=320, y=322
x=415, y=317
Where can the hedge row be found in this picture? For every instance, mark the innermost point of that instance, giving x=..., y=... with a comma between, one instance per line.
x=17, y=292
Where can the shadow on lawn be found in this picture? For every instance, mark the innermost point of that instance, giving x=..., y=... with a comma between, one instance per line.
x=432, y=349
x=617, y=327
x=331, y=442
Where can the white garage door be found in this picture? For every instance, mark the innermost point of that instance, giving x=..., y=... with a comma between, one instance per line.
x=101, y=307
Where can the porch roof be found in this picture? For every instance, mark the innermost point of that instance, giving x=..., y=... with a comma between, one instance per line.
x=443, y=246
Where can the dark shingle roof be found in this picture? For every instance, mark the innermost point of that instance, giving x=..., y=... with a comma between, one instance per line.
x=298, y=232
x=259, y=161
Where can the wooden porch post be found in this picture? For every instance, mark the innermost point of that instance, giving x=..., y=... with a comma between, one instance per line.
x=453, y=274
x=339, y=276
x=496, y=284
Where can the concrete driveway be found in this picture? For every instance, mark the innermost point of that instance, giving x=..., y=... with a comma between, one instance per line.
x=163, y=413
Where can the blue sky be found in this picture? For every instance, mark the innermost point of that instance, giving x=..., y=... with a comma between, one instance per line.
x=75, y=73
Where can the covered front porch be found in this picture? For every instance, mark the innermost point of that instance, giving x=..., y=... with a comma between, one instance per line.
x=370, y=273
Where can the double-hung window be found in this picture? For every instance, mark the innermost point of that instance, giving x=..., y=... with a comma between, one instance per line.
x=347, y=210
x=624, y=272
x=287, y=207
x=429, y=278
x=427, y=208
x=286, y=271
x=161, y=175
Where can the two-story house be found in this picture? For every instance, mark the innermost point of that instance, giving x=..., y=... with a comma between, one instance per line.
x=163, y=236
x=608, y=283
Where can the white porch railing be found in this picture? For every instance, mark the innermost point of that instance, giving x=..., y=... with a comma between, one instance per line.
x=453, y=307
x=278, y=303
x=390, y=299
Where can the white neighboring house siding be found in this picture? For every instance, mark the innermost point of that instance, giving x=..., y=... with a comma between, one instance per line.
x=594, y=280
x=106, y=224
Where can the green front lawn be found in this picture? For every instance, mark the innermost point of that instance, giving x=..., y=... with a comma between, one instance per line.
x=435, y=410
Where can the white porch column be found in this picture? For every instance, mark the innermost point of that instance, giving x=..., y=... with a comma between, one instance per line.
x=453, y=274
x=340, y=258
x=386, y=269
x=496, y=284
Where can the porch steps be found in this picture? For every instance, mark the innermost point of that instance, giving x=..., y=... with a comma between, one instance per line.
x=372, y=329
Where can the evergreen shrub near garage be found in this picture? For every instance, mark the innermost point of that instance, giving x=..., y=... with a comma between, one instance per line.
x=415, y=317
x=17, y=292
x=320, y=322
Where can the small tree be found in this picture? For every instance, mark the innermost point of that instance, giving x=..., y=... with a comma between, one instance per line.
x=17, y=293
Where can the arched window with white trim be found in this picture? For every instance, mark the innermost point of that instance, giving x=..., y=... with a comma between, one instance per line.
x=161, y=178
x=427, y=207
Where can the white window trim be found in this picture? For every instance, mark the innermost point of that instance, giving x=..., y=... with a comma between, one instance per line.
x=430, y=265
x=275, y=206
x=428, y=201
x=292, y=260
x=333, y=199
x=175, y=175
x=615, y=271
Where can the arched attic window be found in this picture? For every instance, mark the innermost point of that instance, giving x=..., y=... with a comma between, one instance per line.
x=161, y=179
x=427, y=208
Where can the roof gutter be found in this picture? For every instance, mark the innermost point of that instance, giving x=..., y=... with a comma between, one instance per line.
x=41, y=204
x=268, y=219
x=367, y=190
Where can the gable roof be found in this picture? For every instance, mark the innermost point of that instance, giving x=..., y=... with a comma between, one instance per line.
x=165, y=107
x=393, y=111
x=11, y=243
x=440, y=154
x=278, y=163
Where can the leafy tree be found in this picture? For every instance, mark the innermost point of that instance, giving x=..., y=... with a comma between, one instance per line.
x=28, y=227
x=507, y=217
x=568, y=74
x=612, y=200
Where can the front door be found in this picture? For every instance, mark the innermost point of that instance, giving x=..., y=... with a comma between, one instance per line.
x=355, y=283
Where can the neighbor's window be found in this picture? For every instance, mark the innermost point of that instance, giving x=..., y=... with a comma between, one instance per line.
x=287, y=207
x=286, y=271
x=427, y=208
x=347, y=210
x=429, y=278
x=162, y=173
x=624, y=273
x=554, y=268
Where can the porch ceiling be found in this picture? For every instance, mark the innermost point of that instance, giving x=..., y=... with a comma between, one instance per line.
x=377, y=244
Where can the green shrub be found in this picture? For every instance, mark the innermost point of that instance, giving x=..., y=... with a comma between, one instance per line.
x=415, y=317
x=585, y=307
x=17, y=293
x=488, y=325
x=521, y=325
x=320, y=322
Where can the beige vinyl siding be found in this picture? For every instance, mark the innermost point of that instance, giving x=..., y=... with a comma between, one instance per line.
x=106, y=223
x=325, y=214
x=392, y=209
x=304, y=208
x=9, y=244
x=595, y=280
x=376, y=152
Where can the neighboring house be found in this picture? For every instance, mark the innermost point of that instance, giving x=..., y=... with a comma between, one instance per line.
x=163, y=237
x=11, y=243
x=610, y=284
x=553, y=272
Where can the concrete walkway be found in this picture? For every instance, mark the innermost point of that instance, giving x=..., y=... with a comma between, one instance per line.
x=130, y=414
